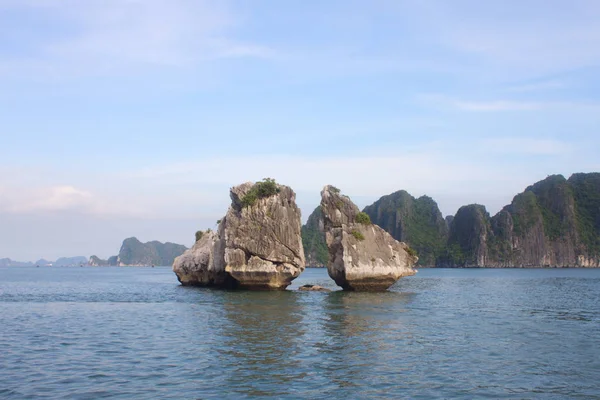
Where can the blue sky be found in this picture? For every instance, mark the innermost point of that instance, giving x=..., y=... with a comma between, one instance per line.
x=133, y=118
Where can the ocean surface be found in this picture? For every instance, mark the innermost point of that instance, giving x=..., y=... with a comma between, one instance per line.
x=135, y=333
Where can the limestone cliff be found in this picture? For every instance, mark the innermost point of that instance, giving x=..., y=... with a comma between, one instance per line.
x=362, y=256
x=313, y=240
x=553, y=223
x=135, y=253
x=467, y=241
x=417, y=222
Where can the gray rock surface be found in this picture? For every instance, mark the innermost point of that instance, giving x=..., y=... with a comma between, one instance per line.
x=260, y=245
x=313, y=288
x=362, y=257
x=197, y=267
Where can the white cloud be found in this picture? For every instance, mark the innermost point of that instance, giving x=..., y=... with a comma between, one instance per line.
x=498, y=105
x=523, y=145
x=44, y=199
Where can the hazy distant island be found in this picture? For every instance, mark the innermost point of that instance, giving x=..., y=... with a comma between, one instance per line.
x=61, y=262
x=553, y=223
x=132, y=253
x=135, y=253
x=96, y=261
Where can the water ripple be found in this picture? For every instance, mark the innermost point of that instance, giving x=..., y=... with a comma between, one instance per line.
x=135, y=333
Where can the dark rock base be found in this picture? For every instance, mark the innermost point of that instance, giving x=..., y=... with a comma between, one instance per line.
x=313, y=288
x=368, y=285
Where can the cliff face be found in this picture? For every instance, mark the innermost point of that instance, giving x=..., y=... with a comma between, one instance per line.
x=468, y=237
x=586, y=194
x=135, y=253
x=362, y=256
x=418, y=222
x=313, y=240
x=553, y=223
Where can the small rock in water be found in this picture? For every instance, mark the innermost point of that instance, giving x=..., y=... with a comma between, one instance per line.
x=313, y=288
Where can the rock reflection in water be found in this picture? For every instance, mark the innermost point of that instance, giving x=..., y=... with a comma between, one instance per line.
x=364, y=337
x=260, y=338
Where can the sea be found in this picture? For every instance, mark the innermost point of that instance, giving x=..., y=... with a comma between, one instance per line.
x=136, y=333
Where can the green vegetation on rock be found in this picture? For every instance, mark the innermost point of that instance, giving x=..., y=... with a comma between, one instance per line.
x=357, y=235
x=586, y=192
x=524, y=211
x=267, y=188
x=363, y=218
x=466, y=246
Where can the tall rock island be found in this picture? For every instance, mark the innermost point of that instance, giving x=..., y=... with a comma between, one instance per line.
x=417, y=221
x=258, y=244
x=362, y=256
x=135, y=253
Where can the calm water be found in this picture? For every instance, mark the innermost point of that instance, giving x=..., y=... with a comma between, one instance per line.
x=82, y=333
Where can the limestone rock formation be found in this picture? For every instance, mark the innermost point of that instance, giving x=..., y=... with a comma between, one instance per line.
x=197, y=267
x=257, y=246
x=260, y=244
x=313, y=240
x=553, y=223
x=96, y=261
x=362, y=256
x=135, y=253
x=469, y=233
x=416, y=221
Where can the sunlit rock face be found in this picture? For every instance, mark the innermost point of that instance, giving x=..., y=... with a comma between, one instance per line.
x=197, y=267
x=362, y=256
x=260, y=244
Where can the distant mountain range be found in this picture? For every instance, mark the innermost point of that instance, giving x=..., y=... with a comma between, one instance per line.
x=132, y=253
x=135, y=253
x=61, y=262
x=553, y=223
